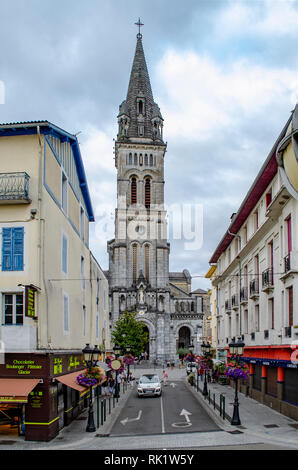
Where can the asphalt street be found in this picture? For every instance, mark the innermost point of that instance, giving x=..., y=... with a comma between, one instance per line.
x=176, y=410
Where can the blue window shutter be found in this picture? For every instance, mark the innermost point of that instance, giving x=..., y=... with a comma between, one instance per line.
x=6, y=249
x=18, y=248
x=64, y=254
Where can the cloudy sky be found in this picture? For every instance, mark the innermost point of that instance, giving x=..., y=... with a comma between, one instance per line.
x=224, y=73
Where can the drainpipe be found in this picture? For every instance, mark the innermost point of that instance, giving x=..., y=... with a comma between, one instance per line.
x=40, y=244
x=238, y=257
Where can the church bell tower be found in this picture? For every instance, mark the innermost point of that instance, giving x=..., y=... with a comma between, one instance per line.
x=139, y=253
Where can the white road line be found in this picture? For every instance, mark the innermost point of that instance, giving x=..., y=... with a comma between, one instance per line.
x=162, y=417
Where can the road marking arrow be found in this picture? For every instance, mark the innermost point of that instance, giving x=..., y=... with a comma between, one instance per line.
x=186, y=415
x=173, y=384
x=126, y=420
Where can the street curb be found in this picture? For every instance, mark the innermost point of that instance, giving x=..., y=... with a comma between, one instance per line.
x=105, y=429
x=209, y=410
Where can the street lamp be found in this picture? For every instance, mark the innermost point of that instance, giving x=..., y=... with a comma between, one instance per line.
x=117, y=351
x=191, y=348
x=128, y=348
x=91, y=357
x=206, y=351
x=236, y=351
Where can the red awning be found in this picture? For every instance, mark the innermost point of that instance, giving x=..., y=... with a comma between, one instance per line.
x=71, y=381
x=16, y=390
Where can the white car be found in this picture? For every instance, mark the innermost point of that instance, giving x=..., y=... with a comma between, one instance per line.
x=149, y=385
x=191, y=367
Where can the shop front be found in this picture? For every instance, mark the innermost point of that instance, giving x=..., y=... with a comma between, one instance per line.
x=273, y=378
x=39, y=394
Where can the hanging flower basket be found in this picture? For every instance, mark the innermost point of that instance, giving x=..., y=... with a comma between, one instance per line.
x=237, y=370
x=110, y=364
x=204, y=363
x=190, y=358
x=92, y=377
x=128, y=359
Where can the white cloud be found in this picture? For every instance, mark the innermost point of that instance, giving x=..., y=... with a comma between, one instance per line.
x=277, y=17
x=201, y=96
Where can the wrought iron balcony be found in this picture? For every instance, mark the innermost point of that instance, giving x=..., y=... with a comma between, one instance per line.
x=14, y=188
x=288, y=331
x=267, y=279
x=243, y=294
x=254, y=288
x=235, y=302
x=287, y=261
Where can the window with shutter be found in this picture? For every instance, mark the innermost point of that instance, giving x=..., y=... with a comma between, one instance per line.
x=133, y=191
x=13, y=249
x=147, y=193
x=64, y=254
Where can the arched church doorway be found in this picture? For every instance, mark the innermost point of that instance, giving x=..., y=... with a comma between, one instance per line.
x=184, y=337
x=147, y=345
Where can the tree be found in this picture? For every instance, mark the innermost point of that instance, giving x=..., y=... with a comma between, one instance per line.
x=129, y=332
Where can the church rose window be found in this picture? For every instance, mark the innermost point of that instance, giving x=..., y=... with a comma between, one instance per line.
x=133, y=190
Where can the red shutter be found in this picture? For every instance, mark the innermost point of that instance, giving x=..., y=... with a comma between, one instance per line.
x=147, y=194
x=290, y=290
x=133, y=191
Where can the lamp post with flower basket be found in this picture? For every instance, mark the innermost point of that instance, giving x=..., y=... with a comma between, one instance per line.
x=236, y=369
x=206, y=352
x=91, y=377
x=128, y=359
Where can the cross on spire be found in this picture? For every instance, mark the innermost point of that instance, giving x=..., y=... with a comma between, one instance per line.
x=139, y=24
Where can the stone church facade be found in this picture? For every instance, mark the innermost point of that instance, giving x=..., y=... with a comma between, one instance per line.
x=139, y=277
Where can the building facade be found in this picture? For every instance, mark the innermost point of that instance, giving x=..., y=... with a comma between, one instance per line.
x=51, y=287
x=257, y=283
x=139, y=277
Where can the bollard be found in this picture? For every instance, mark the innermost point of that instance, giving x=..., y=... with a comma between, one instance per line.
x=209, y=396
x=105, y=409
x=97, y=408
x=224, y=407
x=220, y=404
x=101, y=412
x=113, y=401
x=109, y=405
x=214, y=400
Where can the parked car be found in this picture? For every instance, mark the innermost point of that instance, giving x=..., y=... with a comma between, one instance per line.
x=149, y=385
x=191, y=367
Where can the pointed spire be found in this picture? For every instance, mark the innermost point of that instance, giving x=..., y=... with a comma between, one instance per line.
x=139, y=116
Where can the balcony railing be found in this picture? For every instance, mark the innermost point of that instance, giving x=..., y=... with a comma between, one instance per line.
x=254, y=287
x=267, y=279
x=235, y=301
x=243, y=294
x=14, y=188
x=288, y=331
x=287, y=263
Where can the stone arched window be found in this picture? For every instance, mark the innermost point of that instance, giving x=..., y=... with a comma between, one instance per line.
x=134, y=262
x=133, y=190
x=135, y=161
x=147, y=262
x=192, y=306
x=147, y=193
x=146, y=160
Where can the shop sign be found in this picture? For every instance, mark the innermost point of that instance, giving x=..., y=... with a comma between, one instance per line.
x=24, y=367
x=36, y=399
x=30, y=301
x=63, y=364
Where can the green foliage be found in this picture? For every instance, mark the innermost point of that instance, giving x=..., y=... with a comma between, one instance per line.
x=129, y=332
x=191, y=378
x=182, y=352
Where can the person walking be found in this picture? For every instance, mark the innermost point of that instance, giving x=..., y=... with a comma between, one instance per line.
x=131, y=380
x=165, y=377
x=111, y=384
